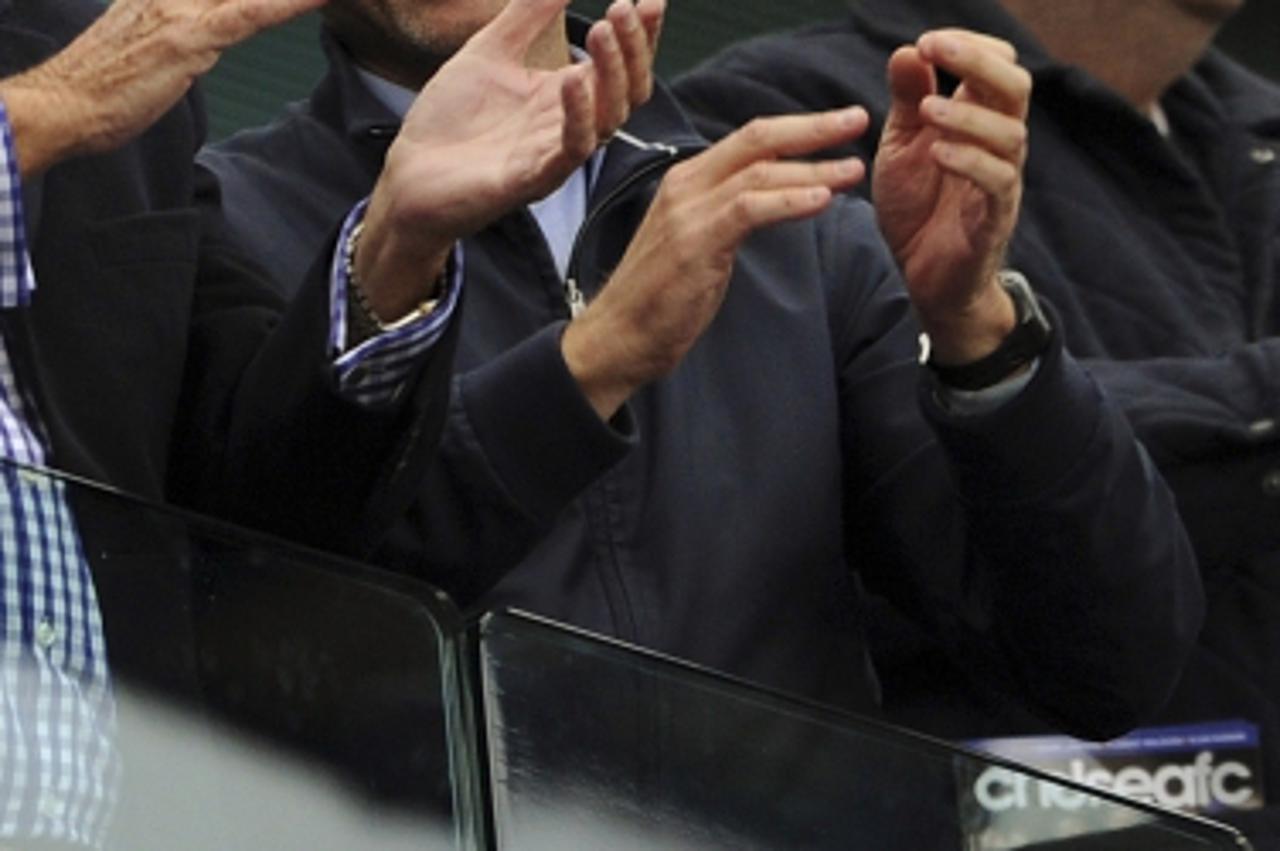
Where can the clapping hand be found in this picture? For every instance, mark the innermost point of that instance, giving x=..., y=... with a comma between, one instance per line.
x=948, y=184
x=492, y=131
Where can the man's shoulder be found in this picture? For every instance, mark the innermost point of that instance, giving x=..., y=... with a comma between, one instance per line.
x=296, y=155
x=835, y=50
x=1247, y=96
x=825, y=66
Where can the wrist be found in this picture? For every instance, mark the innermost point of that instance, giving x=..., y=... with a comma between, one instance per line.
x=587, y=355
x=397, y=269
x=44, y=120
x=1029, y=337
x=972, y=332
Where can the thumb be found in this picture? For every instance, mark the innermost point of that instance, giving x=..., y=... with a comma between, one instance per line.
x=911, y=80
x=517, y=27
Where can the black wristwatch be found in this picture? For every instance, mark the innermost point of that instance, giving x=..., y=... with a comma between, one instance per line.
x=1026, y=342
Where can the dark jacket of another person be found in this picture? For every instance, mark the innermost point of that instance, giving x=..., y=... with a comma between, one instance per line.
x=726, y=513
x=1163, y=259
x=163, y=364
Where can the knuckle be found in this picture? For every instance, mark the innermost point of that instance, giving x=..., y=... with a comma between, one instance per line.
x=756, y=175
x=677, y=179
x=756, y=133
x=741, y=209
x=1023, y=81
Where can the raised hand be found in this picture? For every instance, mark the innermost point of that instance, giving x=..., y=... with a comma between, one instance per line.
x=123, y=72
x=948, y=184
x=674, y=275
x=492, y=130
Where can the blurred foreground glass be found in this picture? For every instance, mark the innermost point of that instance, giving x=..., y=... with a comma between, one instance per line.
x=265, y=696
x=593, y=744
x=270, y=697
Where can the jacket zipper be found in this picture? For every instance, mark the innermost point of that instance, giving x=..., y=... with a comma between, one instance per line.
x=574, y=298
x=600, y=500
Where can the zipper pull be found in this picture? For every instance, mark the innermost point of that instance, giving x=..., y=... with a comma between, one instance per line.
x=573, y=298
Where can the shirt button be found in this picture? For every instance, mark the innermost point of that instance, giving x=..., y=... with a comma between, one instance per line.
x=51, y=807
x=1271, y=484
x=46, y=635
x=1262, y=428
x=1263, y=155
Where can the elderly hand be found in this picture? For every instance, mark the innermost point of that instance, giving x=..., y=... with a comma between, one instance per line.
x=947, y=184
x=123, y=72
x=488, y=134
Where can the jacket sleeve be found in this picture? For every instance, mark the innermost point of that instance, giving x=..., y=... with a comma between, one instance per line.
x=1209, y=420
x=520, y=443
x=1038, y=540
x=265, y=439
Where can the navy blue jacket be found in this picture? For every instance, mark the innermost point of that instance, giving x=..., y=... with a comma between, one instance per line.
x=161, y=361
x=1163, y=260
x=728, y=512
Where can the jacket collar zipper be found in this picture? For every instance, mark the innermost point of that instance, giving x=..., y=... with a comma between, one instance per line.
x=667, y=155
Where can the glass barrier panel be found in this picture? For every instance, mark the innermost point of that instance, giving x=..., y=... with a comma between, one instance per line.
x=251, y=695
x=594, y=744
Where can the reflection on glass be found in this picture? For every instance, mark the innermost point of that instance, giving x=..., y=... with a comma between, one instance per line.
x=253, y=695
x=593, y=744
x=258, y=696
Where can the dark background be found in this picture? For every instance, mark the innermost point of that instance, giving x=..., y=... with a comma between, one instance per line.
x=253, y=80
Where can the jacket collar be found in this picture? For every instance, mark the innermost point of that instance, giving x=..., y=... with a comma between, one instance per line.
x=1254, y=102
x=343, y=100
x=896, y=22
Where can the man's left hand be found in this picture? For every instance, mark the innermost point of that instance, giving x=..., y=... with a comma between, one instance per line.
x=947, y=184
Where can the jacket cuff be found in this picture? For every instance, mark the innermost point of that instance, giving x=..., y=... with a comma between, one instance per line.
x=544, y=441
x=1023, y=449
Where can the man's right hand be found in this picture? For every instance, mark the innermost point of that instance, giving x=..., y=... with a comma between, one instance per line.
x=491, y=132
x=674, y=275
x=125, y=71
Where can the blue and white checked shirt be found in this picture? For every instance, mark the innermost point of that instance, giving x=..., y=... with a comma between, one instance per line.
x=59, y=768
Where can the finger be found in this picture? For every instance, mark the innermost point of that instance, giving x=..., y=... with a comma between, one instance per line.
x=579, y=117
x=997, y=177
x=651, y=14
x=612, y=105
x=517, y=27
x=982, y=41
x=750, y=211
x=911, y=80
x=995, y=80
x=577, y=135
x=636, y=53
x=835, y=175
x=781, y=136
x=958, y=120
x=233, y=22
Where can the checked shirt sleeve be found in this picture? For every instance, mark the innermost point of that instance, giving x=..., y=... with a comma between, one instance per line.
x=376, y=372
x=16, y=277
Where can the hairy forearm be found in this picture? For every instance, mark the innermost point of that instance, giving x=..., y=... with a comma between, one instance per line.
x=43, y=119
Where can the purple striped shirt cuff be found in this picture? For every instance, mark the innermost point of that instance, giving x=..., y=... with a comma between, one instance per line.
x=16, y=277
x=377, y=371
